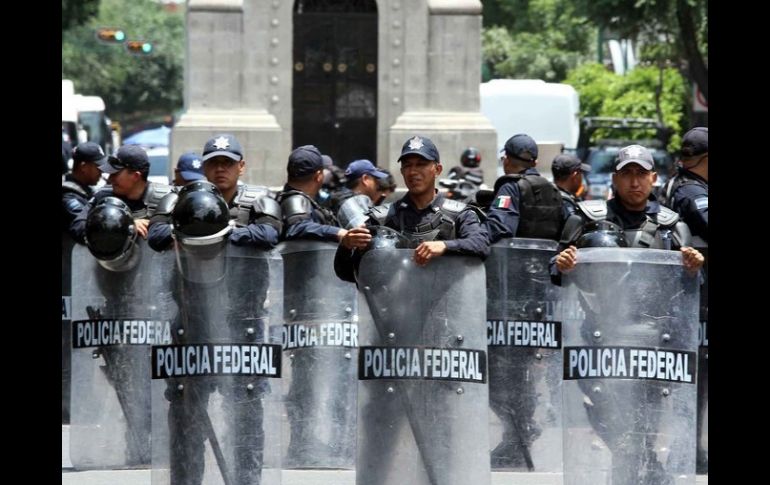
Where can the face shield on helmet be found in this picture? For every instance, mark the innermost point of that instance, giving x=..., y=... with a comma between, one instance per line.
x=602, y=234
x=111, y=235
x=201, y=221
x=471, y=157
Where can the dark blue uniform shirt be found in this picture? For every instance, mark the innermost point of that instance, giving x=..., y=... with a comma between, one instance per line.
x=691, y=201
x=503, y=220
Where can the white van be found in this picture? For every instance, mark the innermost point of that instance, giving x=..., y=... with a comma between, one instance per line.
x=548, y=112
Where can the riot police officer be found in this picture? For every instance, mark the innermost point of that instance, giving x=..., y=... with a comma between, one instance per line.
x=688, y=191
x=688, y=194
x=635, y=220
x=303, y=216
x=221, y=295
x=432, y=224
x=568, y=173
x=128, y=171
x=77, y=186
x=361, y=192
x=525, y=204
x=257, y=217
x=76, y=189
x=644, y=221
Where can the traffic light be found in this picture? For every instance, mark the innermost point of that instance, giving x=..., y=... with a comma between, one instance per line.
x=139, y=47
x=110, y=35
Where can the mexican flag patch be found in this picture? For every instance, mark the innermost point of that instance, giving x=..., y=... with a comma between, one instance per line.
x=502, y=201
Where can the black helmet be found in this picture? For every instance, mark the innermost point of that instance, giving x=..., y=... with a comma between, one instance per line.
x=471, y=157
x=200, y=210
x=602, y=234
x=110, y=230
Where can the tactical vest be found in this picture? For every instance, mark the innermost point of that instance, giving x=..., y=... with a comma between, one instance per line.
x=440, y=227
x=666, y=197
x=243, y=202
x=655, y=233
x=540, y=207
x=152, y=197
x=294, y=202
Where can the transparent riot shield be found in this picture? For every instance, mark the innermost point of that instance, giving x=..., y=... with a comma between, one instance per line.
x=630, y=349
x=66, y=329
x=423, y=404
x=320, y=343
x=525, y=360
x=702, y=448
x=114, y=324
x=216, y=407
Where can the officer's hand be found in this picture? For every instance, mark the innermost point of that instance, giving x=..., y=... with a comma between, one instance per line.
x=141, y=226
x=428, y=250
x=692, y=260
x=567, y=259
x=357, y=238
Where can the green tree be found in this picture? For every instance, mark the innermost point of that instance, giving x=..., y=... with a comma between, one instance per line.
x=672, y=31
x=133, y=87
x=644, y=92
x=534, y=39
x=77, y=12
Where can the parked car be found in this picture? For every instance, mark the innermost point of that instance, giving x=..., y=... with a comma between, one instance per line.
x=159, y=164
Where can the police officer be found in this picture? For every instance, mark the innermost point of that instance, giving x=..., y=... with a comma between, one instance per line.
x=688, y=191
x=386, y=186
x=639, y=222
x=75, y=191
x=76, y=187
x=303, y=216
x=128, y=171
x=189, y=167
x=525, y=204
x=333, y=185
x=257, y=217
x=361, y=192
x=688, y=194
x=568, y=174
x=433, y=224
x=257, y=224
x=645, y=223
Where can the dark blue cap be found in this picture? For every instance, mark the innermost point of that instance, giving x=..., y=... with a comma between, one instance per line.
x=132, y=157
x=566, y=163
x=304, y=161
x=359, y=168
x=223, y=145
x=88, y=152
x=422, y=146
x=521, y=146
x=190, y=166
x=695, y=142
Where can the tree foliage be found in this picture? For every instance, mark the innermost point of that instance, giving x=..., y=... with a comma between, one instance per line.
x=77, y=12
x=674, y=32
x=644, y=92
x=132, y=86
x=534, y=39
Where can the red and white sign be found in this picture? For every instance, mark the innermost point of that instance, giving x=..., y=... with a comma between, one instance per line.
x=699, y=102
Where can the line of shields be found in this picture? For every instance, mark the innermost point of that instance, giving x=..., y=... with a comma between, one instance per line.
x=226, y=366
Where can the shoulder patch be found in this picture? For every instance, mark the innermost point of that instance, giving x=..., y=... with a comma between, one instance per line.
x=702, y=203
